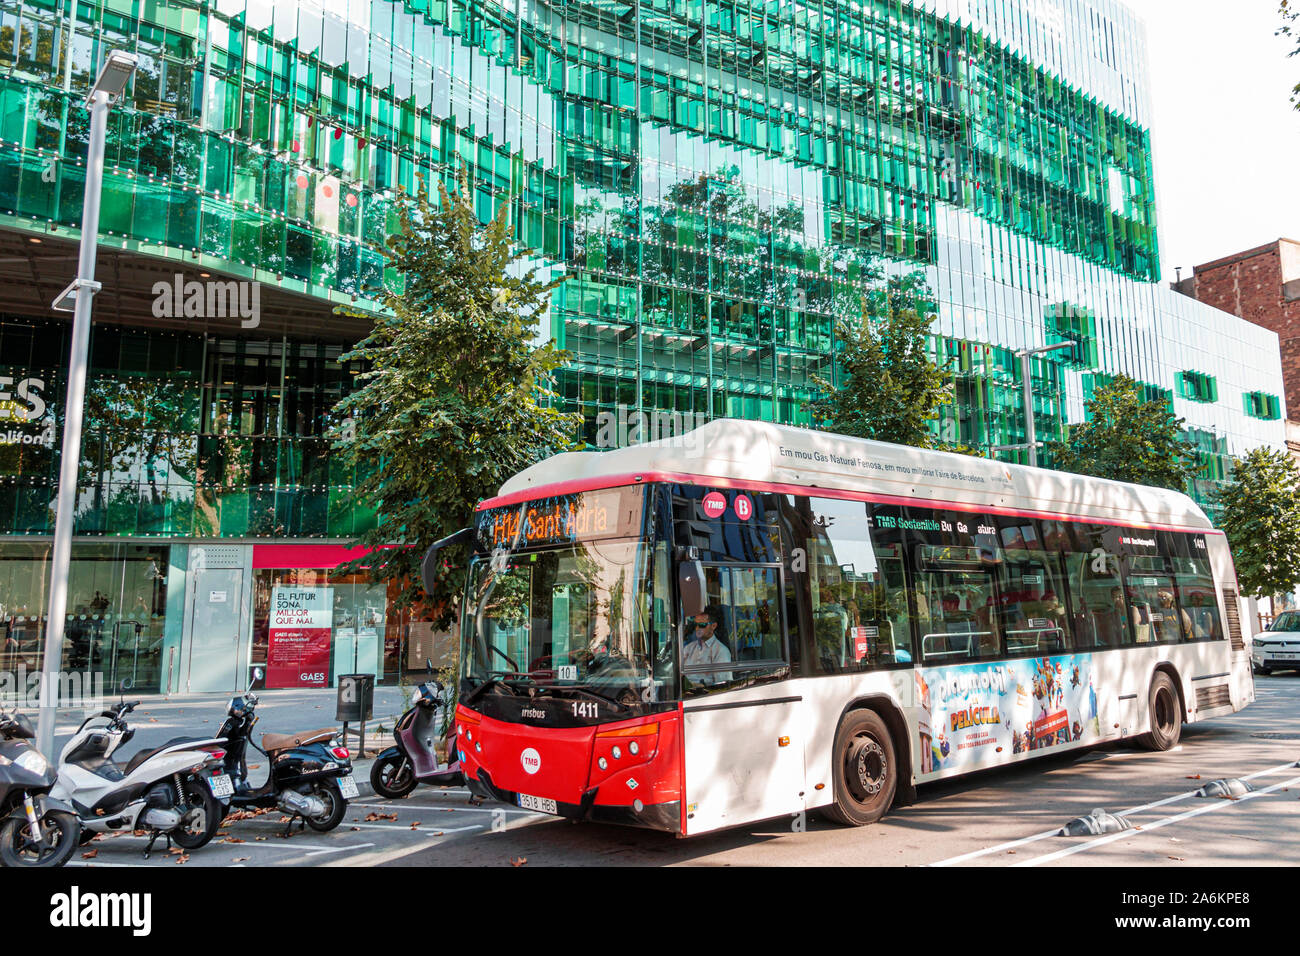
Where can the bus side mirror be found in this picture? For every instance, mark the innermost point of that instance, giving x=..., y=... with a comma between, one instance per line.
x=429, y=563
x=690, y=584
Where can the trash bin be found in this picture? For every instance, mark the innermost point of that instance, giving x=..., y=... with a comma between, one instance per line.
x=356, y=698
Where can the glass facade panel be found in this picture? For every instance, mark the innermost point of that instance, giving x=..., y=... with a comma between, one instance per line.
x=717, y=184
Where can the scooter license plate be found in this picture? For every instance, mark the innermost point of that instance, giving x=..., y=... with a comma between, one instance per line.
x=348, y=787
x=221, y=785
x=537, y=803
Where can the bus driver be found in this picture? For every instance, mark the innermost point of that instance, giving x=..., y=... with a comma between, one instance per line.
x=704, y=646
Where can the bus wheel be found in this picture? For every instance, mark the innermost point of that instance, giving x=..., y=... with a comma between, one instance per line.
x=866, y=773
x=1166, y=716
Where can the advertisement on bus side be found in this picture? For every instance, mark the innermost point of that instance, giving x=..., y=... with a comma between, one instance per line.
x=976, y=714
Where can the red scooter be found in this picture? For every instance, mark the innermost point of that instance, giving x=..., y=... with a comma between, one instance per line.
x=414, y=760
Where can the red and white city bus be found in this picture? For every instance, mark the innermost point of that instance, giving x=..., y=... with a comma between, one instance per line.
x=750, y=620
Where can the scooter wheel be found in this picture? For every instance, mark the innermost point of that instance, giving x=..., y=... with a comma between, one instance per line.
x=205, y=816
x=336, y=807
x=392, y=777
x=58, y=841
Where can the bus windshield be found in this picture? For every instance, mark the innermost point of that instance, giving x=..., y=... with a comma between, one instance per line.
x=577, y=619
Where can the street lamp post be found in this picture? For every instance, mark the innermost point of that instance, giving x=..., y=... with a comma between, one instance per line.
x=113, y=76
x=1026, y=357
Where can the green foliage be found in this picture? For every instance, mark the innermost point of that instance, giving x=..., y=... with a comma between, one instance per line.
x=1261, y=515
x=456, y=397
x=1127, y=439
x=1290, y=28
x=890, y=389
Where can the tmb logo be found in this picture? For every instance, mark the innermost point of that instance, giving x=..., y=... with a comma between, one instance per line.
x=531, y=760
x=75, y=909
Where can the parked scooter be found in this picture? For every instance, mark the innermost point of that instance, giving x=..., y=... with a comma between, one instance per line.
x=170, y=791
x=398, y=770
x=310, y=773
x=35, y=829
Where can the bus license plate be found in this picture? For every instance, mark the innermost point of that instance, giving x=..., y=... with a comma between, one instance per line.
x=221, y=785
x=537, y=803
x=348, y=787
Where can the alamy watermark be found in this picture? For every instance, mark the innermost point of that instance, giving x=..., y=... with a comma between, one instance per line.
x=209, y=299
x=629, y=426
x=21, y=690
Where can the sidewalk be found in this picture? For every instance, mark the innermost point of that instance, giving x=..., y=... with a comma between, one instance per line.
x=159, y=717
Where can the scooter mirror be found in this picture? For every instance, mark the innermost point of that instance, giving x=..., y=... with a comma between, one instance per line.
x=258, y=673
x=127, y=683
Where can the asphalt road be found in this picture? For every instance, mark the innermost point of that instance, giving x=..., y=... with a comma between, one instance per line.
x=996, y=818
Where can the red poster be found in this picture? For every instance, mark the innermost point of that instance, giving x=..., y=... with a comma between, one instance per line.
x=862, y=639
x=1049, y=725
x=301, y=627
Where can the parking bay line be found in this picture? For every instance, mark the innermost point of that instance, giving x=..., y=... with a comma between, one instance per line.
x=383, y=855
x=952, y=861
x=437, y=809
x=407, y=828
x=1219, y=804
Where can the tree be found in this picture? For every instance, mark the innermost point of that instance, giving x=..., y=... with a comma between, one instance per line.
x=1125, y=438
x=456, y=397
x=890, y=389
x=1261, y=516
x=1290, y=13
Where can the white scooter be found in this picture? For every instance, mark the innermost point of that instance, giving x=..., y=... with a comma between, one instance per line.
x=171, y=791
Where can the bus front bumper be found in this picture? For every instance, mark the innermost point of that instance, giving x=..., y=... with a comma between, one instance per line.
x=665, y=817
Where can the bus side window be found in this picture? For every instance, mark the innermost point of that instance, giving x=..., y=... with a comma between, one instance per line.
x=1032, y=589
x=1194, y=587
x=961, y=625
x=1102, y=614
x=857, y=588
x=739, y=634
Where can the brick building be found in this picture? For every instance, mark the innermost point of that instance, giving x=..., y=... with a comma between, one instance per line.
x=1261, y=285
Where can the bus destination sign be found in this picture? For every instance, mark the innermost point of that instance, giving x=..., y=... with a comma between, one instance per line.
x=566, y=519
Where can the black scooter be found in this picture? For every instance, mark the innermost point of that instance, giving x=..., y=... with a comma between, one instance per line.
x=414, y=760
x=310, y=777
x=35, y=830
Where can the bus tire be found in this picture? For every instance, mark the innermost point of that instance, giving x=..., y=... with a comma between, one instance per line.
x=865, y=770
x=1165, y=713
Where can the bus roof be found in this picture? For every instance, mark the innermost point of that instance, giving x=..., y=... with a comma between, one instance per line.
x=763, y=456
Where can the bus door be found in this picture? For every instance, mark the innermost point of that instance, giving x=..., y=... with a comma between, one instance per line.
x=743, y=737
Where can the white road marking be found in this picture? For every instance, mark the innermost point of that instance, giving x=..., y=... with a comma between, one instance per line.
x=953, y=861
x=439, y=809
x=1219, y=804
x=341, y=849
x=382, y=856
x=101, y=863
x=423, y=828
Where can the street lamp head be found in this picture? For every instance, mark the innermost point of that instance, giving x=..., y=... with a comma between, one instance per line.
x=1046, y=348
x=114, y=74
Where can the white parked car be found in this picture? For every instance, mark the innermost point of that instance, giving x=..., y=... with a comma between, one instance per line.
x=1277, y=648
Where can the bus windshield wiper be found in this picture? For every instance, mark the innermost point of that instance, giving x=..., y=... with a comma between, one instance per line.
x=481, y=689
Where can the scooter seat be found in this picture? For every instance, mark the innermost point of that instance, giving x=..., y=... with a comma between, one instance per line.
x=272, y=743
x=148, y=752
